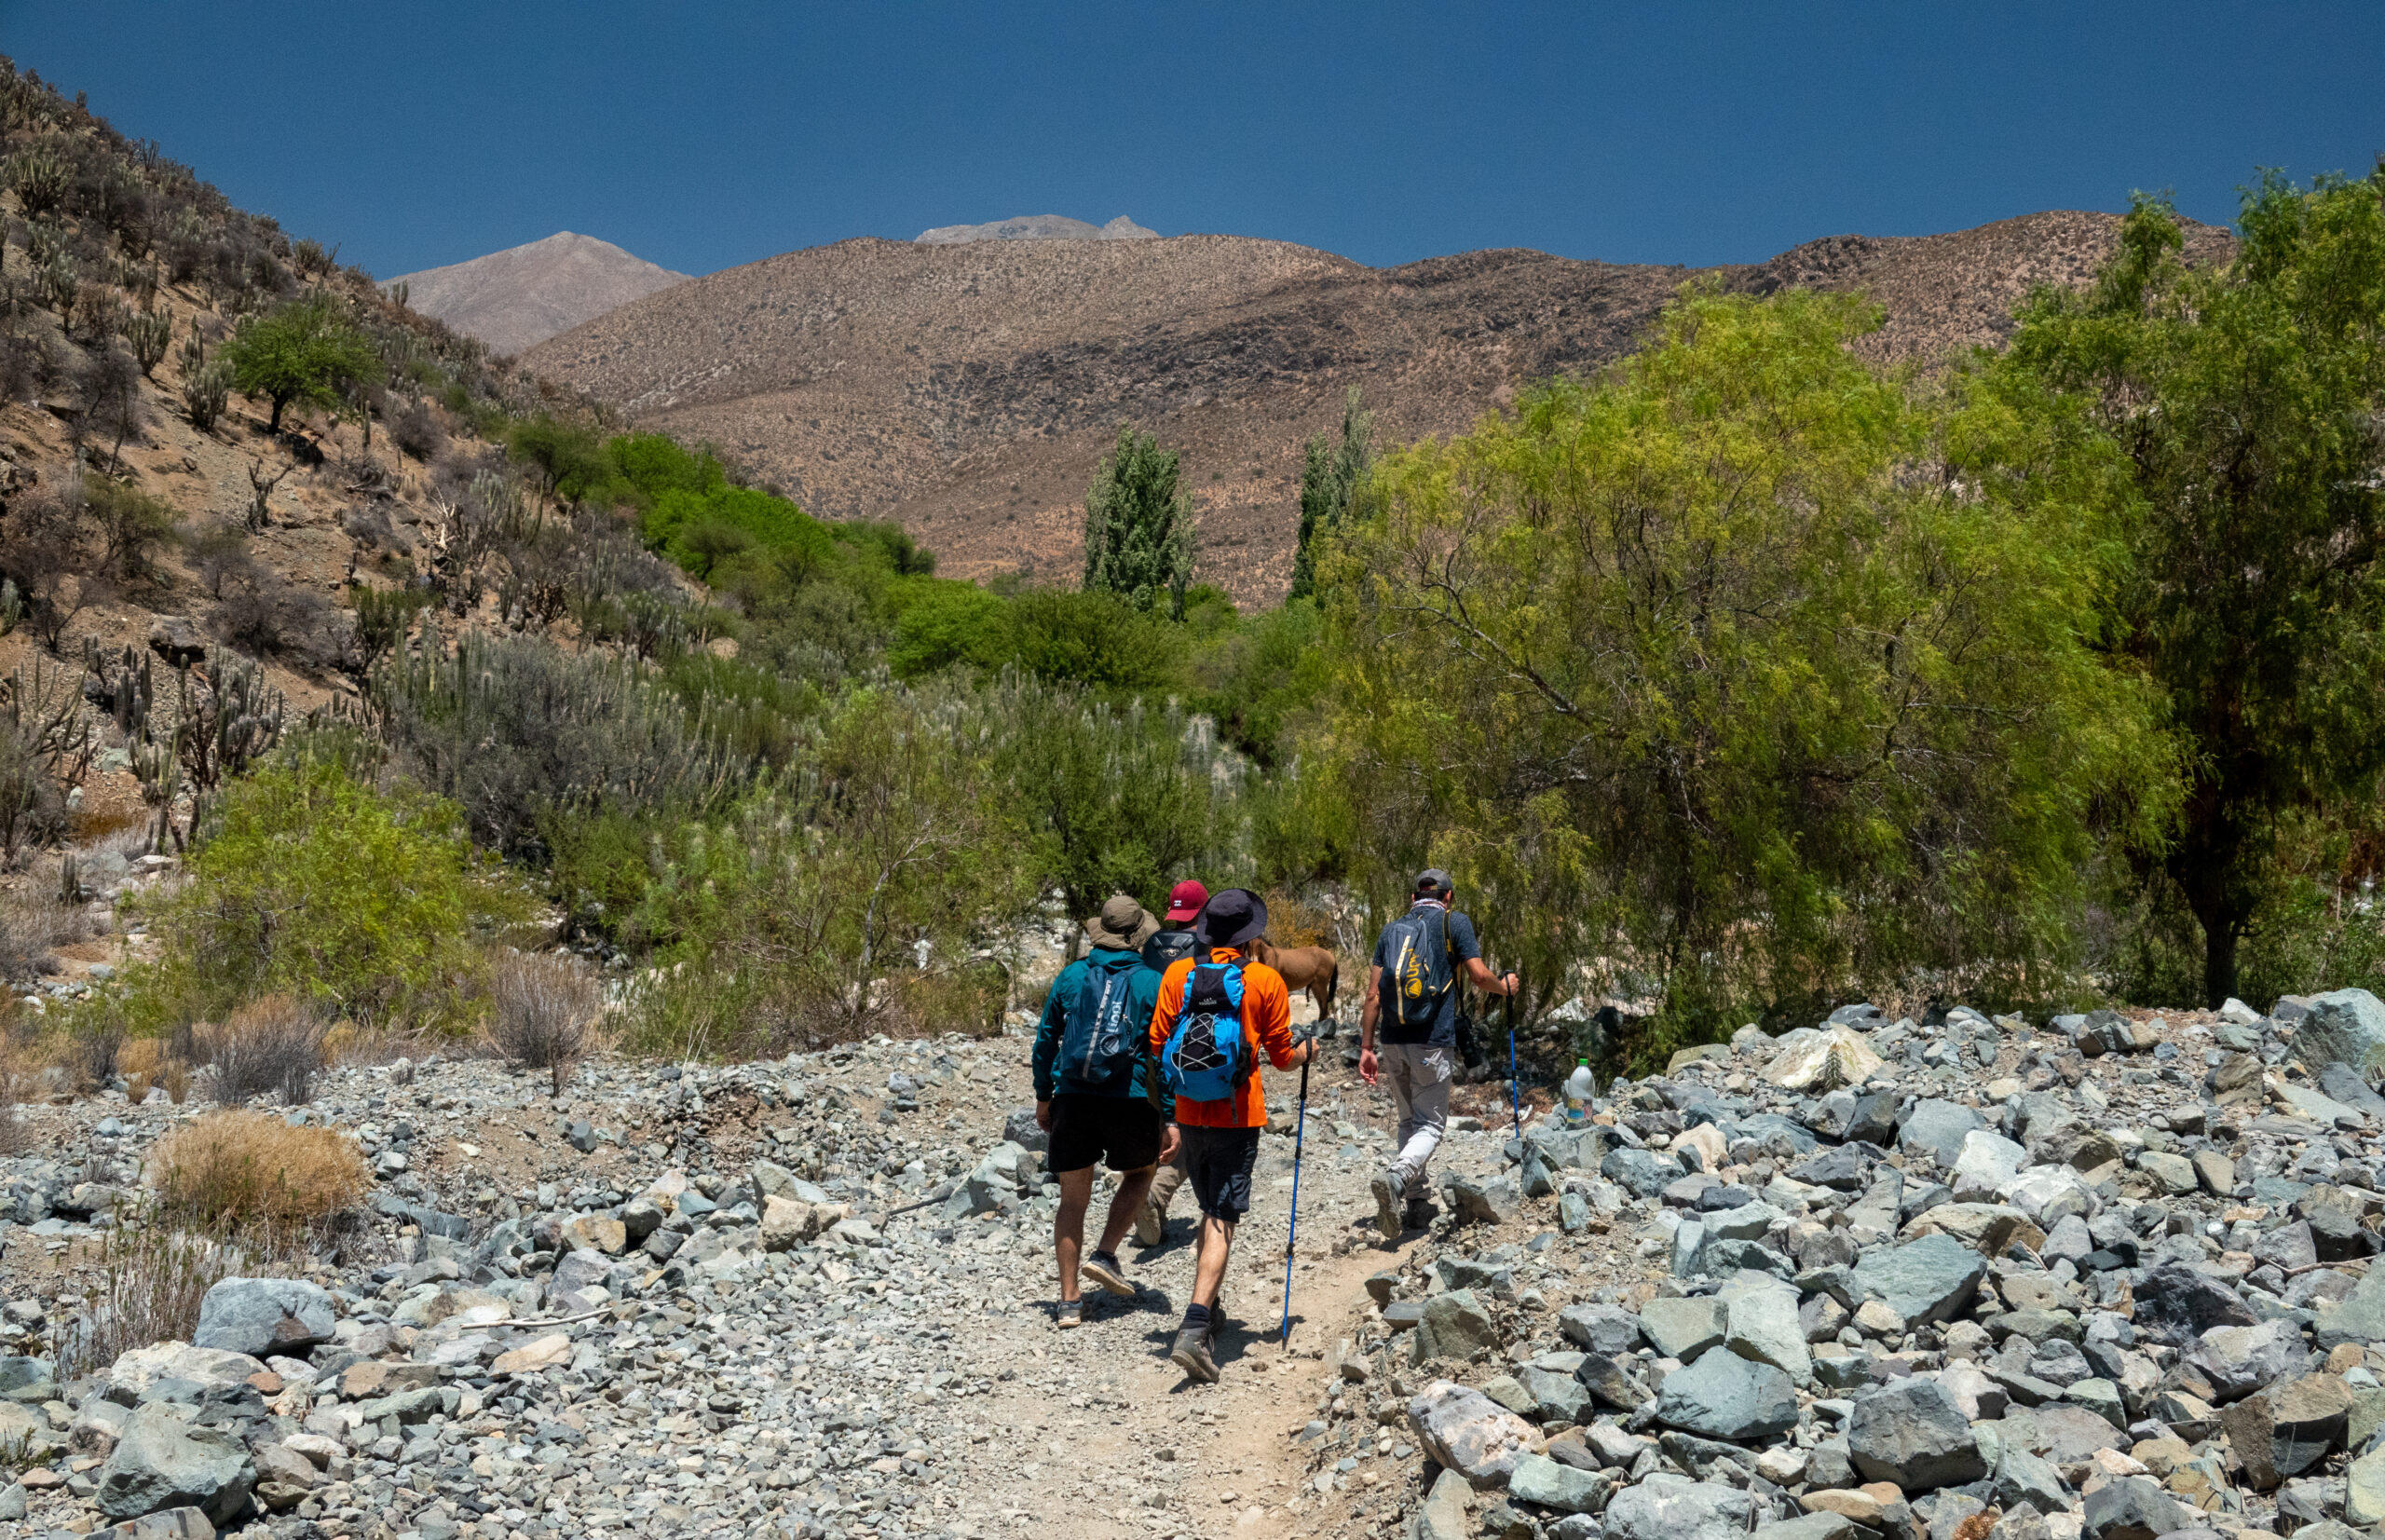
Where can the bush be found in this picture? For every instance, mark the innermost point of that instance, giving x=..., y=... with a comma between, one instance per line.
x=543, y=1011
x=312, y=884
x=146, y=1287
x=236, y=1169
x=263, y=613
x=33, y=922
x=416, y=431
x=272, y=1047
x=305, y=352
x=132, y=527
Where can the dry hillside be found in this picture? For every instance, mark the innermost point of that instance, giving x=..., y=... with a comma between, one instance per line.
x=516, y=298
x=968, y=388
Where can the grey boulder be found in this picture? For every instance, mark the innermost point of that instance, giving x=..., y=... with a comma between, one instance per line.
x=1666, y=1507
x=2176, y=1303
x=160, y=1462
x=1600, y=1327
x=2346, y=1026
x=264, y=1316
x=1466, y=1432
x=2133, y=1508
x=1723, y=1396
x=1911, y=1432
x=1683, y=1328
x=2239, y=1360
x=1930, y=1279
x=1938, y=1127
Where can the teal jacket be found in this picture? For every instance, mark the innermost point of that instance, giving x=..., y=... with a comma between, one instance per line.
x=1052, y=1078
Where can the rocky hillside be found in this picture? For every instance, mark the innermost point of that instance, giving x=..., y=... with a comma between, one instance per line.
x=969, y=388
x=517, y=298
x=1036, y=228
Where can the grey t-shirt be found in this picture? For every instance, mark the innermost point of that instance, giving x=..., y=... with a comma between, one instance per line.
x=1443, y=1031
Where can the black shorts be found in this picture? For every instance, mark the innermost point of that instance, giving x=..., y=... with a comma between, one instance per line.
x=1123, y=1130
x=1218, y=1162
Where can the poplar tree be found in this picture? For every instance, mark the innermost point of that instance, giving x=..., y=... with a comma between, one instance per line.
x=1329, y=481
x=1138, y=526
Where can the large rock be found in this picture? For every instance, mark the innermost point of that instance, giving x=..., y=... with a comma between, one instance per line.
x=1666, y=1507
x=1985, y=1166
x=2337, y=1234
x=1930, y=1279
x=1537, y=1478
x=1911, y=1432
x=1723, y=1396
x=2344, y=1025
x=2284, y=1430
x=2131, y=1507
x=1442, y=1515
x=1813, y=1060
x=2239, y=1360
x=1940, y=1127
x=1466, y=1432
x=161, y=1462
x=1600, y=1327
x=1683, y=1328
x=2357, y=1317
x=2364, y=1491
x=1454, y=1325
x=1761, y=1323
x=264, y=1316
x=2176, y=1303
x=131, y=1376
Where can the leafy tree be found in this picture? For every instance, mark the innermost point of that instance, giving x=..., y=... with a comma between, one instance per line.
x=1328, y=480
x=1741, y=673
x=2247, y=398
x=1138, y=526
x=305, y=352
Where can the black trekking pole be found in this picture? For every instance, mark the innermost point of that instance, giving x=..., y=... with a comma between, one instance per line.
x=1291, y=1232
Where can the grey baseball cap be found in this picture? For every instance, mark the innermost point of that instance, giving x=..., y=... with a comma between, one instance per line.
x=1435, y=880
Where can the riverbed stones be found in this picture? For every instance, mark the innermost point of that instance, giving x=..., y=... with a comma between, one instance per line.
x=1912, y=1432
x=1725, y=1396
x=161, y=1462
x=257, y=1316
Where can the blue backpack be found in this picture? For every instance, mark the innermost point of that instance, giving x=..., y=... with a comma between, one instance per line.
x=1206, y=1055
x=1101, y=1043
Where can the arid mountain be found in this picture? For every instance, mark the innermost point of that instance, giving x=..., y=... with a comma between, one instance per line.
x=1036, y=228
x=968, y=390
x=514, y=299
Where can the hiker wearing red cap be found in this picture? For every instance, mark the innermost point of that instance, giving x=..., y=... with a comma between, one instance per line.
x=1163, y=952
x=1218, y=1012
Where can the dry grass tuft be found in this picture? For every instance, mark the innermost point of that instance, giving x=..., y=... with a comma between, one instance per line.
x=544, y=1012
x=32, y=923
x=251, y=1168
x=16, y=1134
x=146, y=1064
x=151, y=1280
x=272, y=1045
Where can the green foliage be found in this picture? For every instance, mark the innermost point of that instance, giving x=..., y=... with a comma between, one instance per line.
x=306, y=352
x=1330, y=477
x=1744, y=668
x=1138, y=526
x=132, y=527
x=312, y=884
x=2247, y=398
x=954, y=623
x=1058, y=636
x=1263, y=678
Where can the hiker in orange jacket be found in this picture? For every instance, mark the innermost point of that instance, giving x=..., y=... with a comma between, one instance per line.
x=1220, y=1135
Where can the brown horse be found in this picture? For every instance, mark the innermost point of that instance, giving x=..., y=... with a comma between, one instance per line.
x=1314, y=969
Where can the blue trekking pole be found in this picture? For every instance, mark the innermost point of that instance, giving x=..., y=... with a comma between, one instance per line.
x=1299, y=1136
x=1515, y=1088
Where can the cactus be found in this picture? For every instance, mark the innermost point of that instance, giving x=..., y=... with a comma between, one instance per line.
x=38, y=176
x=149, y=333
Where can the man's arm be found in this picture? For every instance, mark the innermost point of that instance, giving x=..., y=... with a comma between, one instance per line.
x=1048, y=1033
x=1367, y=1009
x=1488, y=982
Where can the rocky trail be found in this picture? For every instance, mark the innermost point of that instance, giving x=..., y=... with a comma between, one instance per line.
x=1976, y=1279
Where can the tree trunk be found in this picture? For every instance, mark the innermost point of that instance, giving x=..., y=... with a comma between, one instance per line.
x=2219, y=961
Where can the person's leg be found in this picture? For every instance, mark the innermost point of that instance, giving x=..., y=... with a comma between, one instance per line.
x=1428, y=1073
x=1134, y=1190
x=1150, y=1220
x=1068, y=1226
x=1393, y=1199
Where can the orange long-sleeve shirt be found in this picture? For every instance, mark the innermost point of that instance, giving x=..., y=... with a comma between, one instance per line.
x=1266, y=1028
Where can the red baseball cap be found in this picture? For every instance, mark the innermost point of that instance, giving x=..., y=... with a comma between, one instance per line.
x=1184, y=901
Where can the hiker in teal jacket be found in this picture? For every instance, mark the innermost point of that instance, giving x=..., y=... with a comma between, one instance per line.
x=1092, y=1094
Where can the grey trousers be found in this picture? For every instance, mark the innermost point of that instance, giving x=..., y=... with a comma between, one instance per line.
x=1420, y=1080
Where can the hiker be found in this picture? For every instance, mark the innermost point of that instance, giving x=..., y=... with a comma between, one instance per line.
x=1090, y=1097
x=1174, y=940
x=1411, y=993
x=1218, y=1013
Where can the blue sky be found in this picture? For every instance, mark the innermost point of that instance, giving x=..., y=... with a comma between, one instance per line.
x=705, y=135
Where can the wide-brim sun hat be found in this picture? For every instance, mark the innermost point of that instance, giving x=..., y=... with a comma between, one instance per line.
x=1123, y=924
x=1233, y=917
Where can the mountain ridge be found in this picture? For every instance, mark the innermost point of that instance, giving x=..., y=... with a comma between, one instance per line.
x=518, y=297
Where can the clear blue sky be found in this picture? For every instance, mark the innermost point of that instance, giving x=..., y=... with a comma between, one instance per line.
x=701, y=135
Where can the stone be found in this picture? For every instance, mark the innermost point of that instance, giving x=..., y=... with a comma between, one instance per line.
x=1507, y=1391
x=1442, y=1515
x=2349, y=1086
x=1685, y=1328
x=1938, y=1127
x=1467, y=1433
x=1930, y=1279
x=1020, y=1128
x=1642, y=1173
x=1723, y=1396
x=552, y=1351
x=2176, y=1303
x=2357, y=1317
x=1600, y=1327
x=1555, y=1396
x=787, y=1223
x=2174, y=1175
x=2132, y=1507
x=2022, y=1476
x=1666, y=1507
x=1986, y=1166
x=1454, y=1325
x=1824, y=1525
x=596, y=1232
x=1911, y=1432
x=1987, y=1228
x=2237, y=1360
x=2346, y=1027
x=1810, y=1060
x=1610, y=1382
x=133, y=1374
x=2285, y=1429
x=1489, y=1200
x=2365, y=1491
x=2334, y=1216
x=1537, y=1478
x=2070, y=1434
x=2215, y=1171
x=257, y=1317
x=1762, y=1324
x=160, y=1462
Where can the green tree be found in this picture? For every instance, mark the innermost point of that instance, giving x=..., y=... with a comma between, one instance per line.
x=1740, y=675
x=1138, y=526
x=305, y=352
x=2247, y=398
x=1329, y=480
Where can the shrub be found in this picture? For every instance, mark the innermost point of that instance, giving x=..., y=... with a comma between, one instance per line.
x=272, y=1047
x=542, y=1013
x=312, y=884
x=147, y=1285
x=264, y=613
x=132, y=526
x=1138, y=526
x=305, y=352
x=416, y=431
x=235, y=1168
x=31, y=923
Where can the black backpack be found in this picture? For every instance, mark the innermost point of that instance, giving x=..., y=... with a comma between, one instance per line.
x=1167, y=947
x=1419, y=972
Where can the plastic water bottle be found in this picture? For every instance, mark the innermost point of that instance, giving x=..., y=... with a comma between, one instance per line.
x=1579, y=1089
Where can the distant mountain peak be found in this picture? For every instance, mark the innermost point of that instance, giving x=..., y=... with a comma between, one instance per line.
x=1037, y=227
x=521, y=296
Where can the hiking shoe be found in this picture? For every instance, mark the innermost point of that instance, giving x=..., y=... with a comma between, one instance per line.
x=1071, y=1314
x=1103, y=1269
x=1151, y=1226
x=1391, y=1195
x=1191, y=1354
